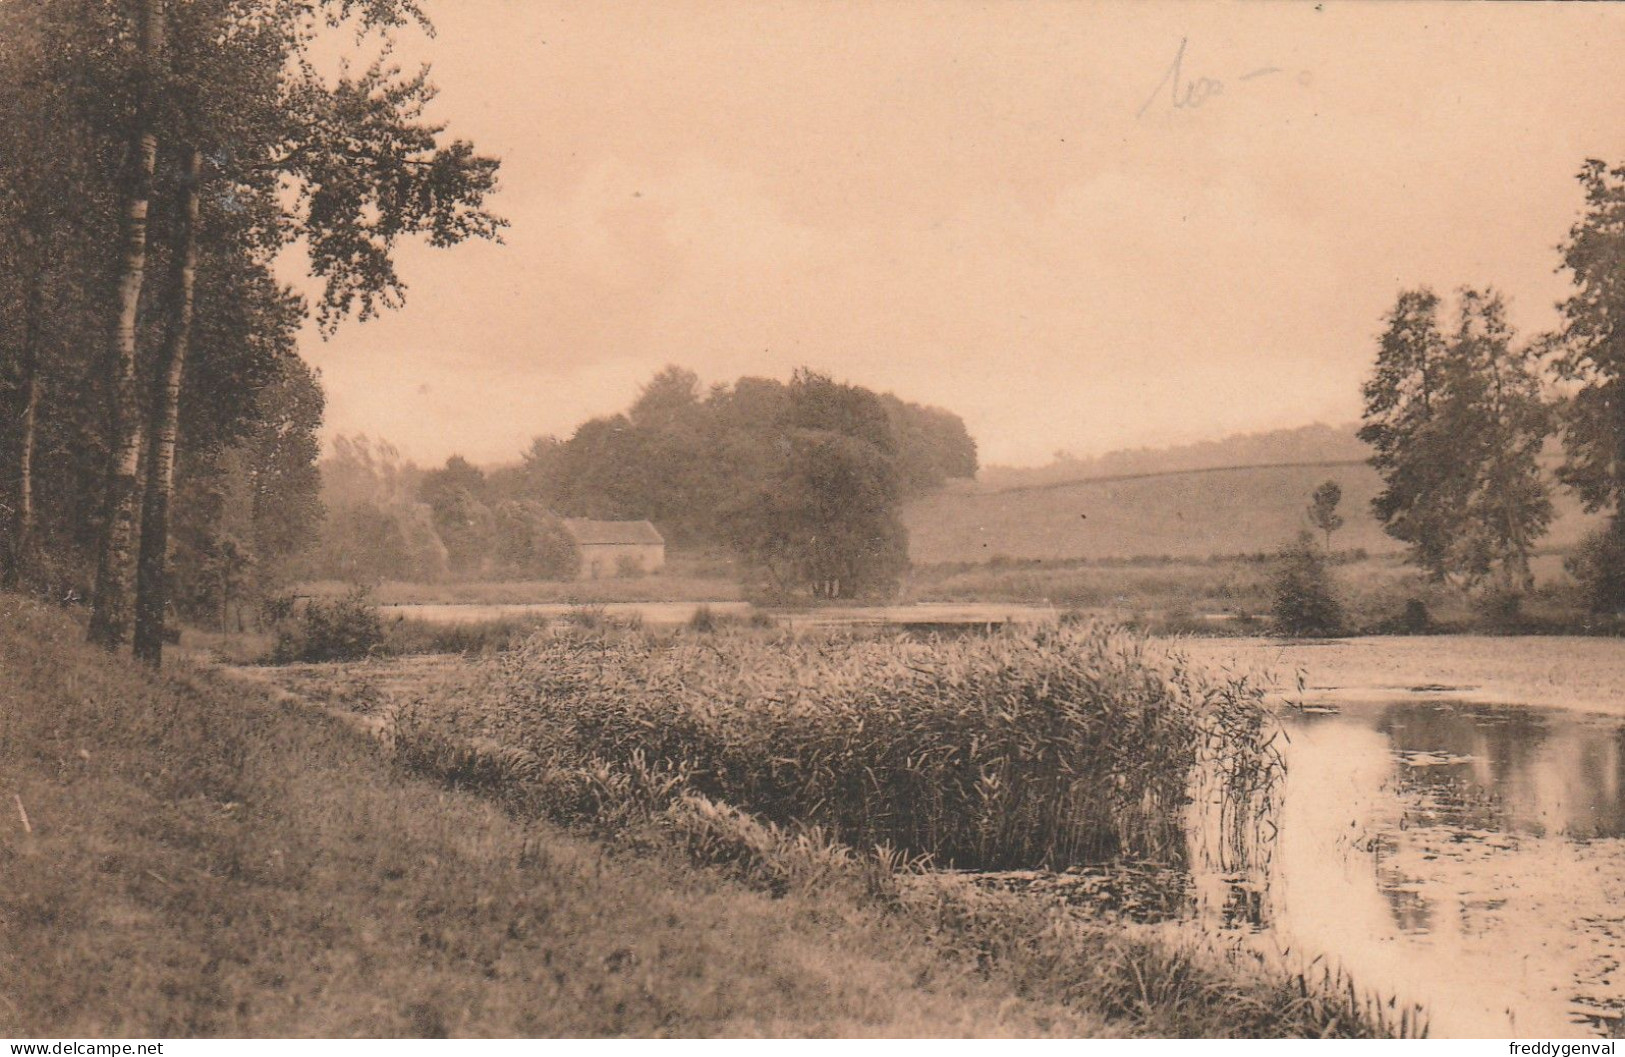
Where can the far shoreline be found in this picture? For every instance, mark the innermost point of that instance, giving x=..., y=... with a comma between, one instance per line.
x=1580, y=673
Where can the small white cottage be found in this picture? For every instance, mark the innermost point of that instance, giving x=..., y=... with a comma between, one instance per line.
x=616, y=548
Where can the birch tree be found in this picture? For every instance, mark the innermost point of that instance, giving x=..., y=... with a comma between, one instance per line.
x=349, y=166
x=110, y=610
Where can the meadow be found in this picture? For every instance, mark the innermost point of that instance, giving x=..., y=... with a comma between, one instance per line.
x=687, y=577
x=1231, y=595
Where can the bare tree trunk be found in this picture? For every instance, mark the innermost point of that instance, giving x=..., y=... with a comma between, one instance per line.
x=20, y=544
x=151, y=582
x=110, y=609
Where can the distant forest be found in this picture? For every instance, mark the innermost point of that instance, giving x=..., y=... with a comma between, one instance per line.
x=803, y=479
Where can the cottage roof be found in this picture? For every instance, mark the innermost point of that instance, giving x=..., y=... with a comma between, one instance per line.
x=587, y=532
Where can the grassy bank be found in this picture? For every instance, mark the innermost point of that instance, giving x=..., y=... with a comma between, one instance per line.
x=384, y=635
x=206, y=859
x=202, y=861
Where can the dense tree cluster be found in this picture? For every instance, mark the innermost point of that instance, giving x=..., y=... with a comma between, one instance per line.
x=375, y=529
x=1458, y=417
x=1457, y=421
x=802, y=478
x=490, y=532
x=155, y=159
x=678, y=455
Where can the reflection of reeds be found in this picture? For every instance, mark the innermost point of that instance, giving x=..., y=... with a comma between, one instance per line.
x=1031, y=746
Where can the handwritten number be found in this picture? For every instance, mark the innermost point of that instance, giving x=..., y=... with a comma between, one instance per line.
x=1171, y=77
x=1189, y=95
x=1200, y=91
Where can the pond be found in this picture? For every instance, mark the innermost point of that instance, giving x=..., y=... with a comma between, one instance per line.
x=1466, y=856
x=652, y=614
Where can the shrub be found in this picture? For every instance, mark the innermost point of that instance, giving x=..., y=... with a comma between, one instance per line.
x=339, y=629
x=1499, y=609
x=1027, y=747
x=1598, y=564
x=409, y=636
x=1415, y=620
x=588, y=617
x=1302, y=601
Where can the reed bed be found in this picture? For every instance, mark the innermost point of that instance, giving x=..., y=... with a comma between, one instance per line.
x=1031, y=747
x=847, y=767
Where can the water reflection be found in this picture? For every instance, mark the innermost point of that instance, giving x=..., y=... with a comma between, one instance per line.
x=1518, y=771
x=1469, y=856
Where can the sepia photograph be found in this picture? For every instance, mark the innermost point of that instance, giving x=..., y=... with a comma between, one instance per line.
x=832, y=519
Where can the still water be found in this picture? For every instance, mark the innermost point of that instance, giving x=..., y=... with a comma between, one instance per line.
x=1470, y=857
x=671, y=614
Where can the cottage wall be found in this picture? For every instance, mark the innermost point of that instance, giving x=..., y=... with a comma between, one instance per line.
x=604, y=561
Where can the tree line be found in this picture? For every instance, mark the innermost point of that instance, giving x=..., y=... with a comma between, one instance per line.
x=388, y=519
x=156, y=159
x=1459, y=410
x=801, y=480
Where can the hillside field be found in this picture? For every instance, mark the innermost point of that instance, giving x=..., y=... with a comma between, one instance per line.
x=1180, y=514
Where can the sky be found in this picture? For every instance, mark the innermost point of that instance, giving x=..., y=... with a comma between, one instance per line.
x=1081, y=226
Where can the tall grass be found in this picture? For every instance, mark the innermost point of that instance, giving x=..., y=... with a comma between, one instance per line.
x=1029, y=747
x=409, y=635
